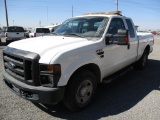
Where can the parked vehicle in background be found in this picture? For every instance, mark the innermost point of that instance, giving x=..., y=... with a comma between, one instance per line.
x=38, y=32
x=0, y=30
x=27, y=33
x=0, y=34
x=3, y=32
x=14, y=33
x=154, y=32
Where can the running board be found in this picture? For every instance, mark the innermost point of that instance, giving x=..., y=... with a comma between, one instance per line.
x=117, y=74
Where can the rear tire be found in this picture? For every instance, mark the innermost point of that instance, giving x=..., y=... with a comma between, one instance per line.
x=7, y=42
x=142, y=63
x=80, y=90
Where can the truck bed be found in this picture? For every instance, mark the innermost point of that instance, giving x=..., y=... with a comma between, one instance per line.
x=142, y=35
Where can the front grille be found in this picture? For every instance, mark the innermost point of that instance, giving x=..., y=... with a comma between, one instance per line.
x=18, y=68
x=22, y=65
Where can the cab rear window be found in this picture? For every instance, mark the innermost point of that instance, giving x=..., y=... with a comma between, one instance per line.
x=42, y=30
x=15, y=29
x=130, y=28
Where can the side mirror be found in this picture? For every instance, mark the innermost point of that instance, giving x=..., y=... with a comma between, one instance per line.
x=121, y=38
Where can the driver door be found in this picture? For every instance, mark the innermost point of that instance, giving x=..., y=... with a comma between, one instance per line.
x=115, y=56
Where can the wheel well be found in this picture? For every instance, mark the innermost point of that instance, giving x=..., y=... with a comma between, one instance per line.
x=148, y=49
x=90, y=67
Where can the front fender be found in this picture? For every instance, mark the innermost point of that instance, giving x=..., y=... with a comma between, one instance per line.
x=70, y=64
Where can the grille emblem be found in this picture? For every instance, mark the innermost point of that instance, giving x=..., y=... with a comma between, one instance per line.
x=11, y=65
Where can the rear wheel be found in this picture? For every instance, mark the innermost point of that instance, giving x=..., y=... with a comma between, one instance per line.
x=80, y=90
x=142, y=63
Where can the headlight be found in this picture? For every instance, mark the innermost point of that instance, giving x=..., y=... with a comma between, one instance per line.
x=50, y=74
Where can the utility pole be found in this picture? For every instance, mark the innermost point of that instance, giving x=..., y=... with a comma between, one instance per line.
x=72, y=10
x=40, y=23
x=47, y=15
x=6, y=13
x=117, y=4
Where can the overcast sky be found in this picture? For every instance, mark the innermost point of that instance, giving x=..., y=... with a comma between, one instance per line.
x=32, y=13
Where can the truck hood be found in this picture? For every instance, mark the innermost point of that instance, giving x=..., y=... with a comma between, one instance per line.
x=50, y=44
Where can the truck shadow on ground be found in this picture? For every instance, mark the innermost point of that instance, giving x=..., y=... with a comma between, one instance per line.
x=116, y=97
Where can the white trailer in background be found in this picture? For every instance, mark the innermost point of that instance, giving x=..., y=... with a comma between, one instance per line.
x=52, y=27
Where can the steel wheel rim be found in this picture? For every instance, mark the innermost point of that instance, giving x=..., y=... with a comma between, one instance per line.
x=84, y=92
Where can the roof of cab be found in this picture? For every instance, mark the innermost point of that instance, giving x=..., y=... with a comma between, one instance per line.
x=104, y=14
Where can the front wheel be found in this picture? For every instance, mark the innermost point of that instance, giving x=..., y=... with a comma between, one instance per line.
x=80, y=90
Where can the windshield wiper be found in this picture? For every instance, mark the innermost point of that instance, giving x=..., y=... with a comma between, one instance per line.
x=49, y=34
x=54, y=33
x=73, y=34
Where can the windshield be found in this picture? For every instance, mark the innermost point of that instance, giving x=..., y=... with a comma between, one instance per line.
x=83, y=27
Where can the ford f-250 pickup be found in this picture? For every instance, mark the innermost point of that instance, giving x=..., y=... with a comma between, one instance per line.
x=68, y=64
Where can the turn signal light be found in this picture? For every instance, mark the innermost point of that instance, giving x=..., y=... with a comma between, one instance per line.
x=127, y=40
x=55, y=69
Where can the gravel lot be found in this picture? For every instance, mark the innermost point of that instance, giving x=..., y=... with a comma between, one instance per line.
x=136, y=96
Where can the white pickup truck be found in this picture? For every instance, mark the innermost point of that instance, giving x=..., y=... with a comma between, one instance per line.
x=36, y=32
x=68, y=64
x=14, y=33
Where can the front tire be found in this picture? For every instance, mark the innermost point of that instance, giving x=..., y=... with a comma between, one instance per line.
x=80, y=90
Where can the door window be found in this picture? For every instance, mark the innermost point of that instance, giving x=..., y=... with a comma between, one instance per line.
x=116, y=23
